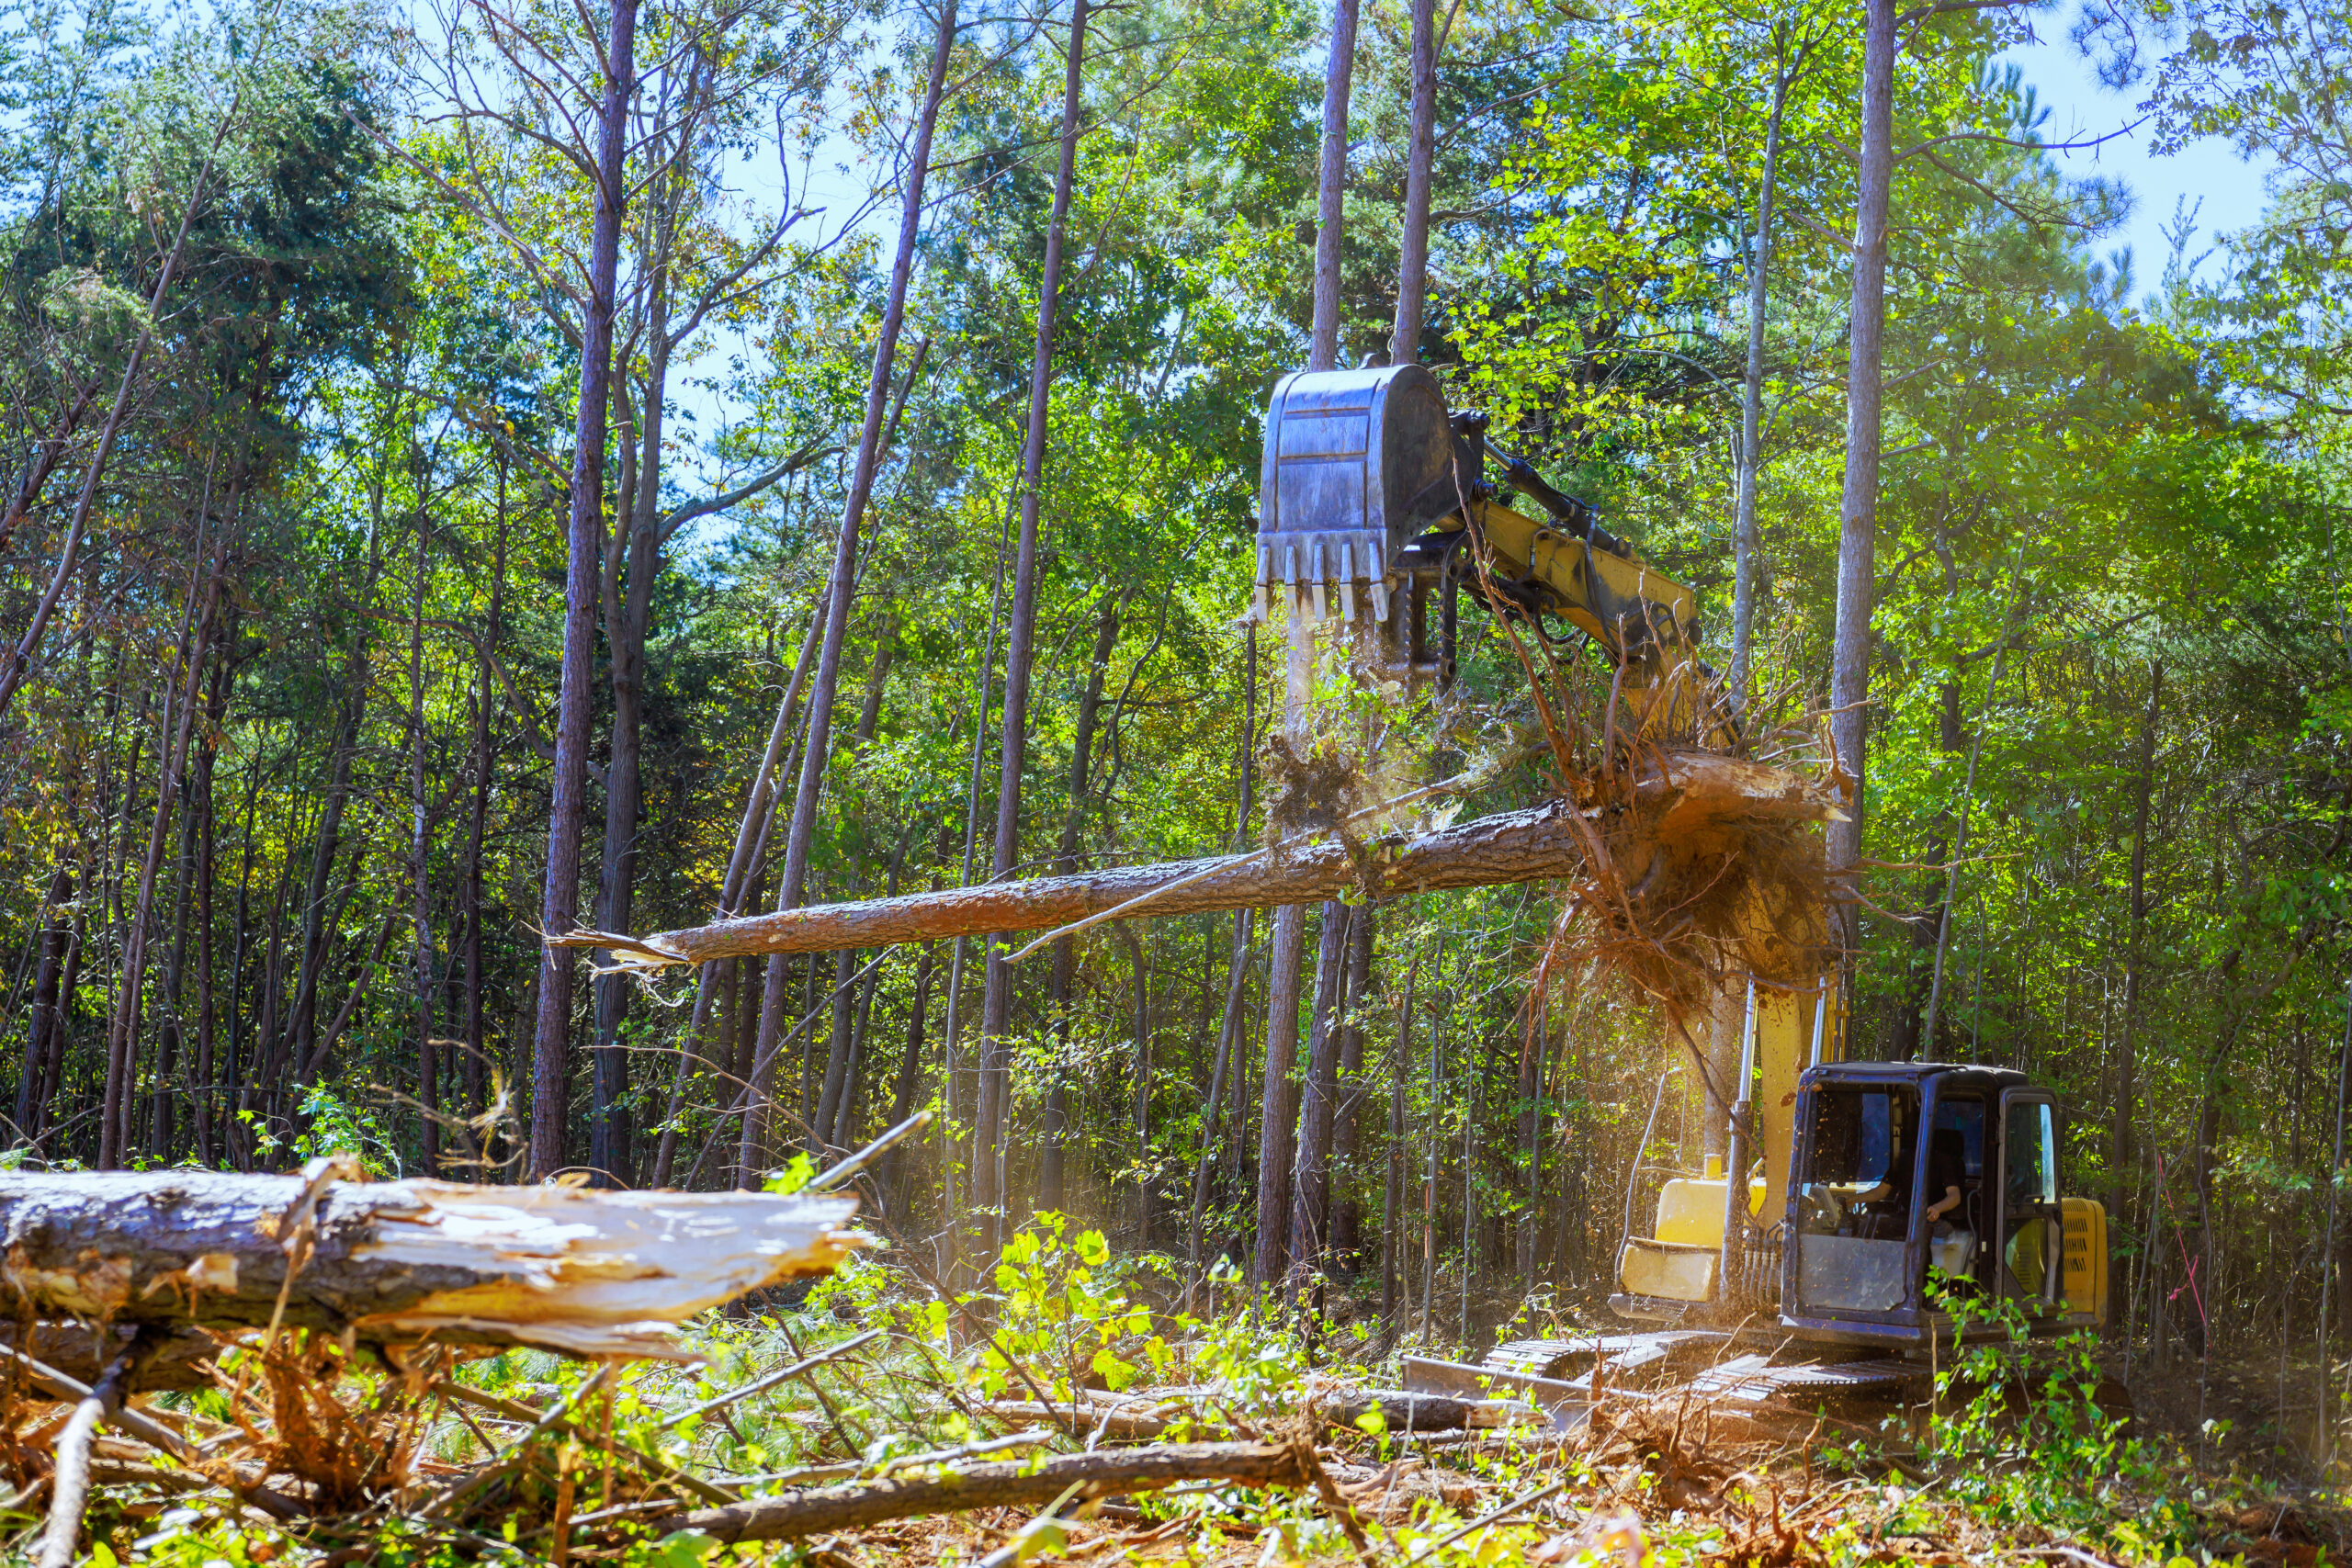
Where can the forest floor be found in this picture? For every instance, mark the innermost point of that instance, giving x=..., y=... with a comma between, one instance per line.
x=876, y=1394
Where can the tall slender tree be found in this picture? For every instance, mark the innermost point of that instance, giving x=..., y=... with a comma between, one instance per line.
x=793, y=882
x=584, y=536
x=1019, y=652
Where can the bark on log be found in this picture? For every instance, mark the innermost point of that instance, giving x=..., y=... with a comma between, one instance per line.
x=1490, y=852
x=1018, y=1484
x=587, y=1272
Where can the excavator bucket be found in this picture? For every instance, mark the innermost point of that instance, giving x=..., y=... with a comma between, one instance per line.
x=1357, y=463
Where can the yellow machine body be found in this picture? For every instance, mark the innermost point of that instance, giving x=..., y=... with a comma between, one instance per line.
x=2083, y=1243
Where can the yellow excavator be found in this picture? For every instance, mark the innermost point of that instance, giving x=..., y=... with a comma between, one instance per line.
x=1863, y=1182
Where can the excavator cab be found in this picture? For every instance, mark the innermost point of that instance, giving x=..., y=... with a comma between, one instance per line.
x=1912, y=1188
x=1918, y=1185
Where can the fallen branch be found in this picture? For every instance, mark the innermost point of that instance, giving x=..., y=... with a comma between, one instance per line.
x=593, y=1273
x=782, y=1375
x=71, y=1483
x=1334, y=1503
x=168, y=1360
x=547, y=1421
x=558, y=1419
x=1401, y=1411
x=1015, y=1484
x=1512, y=846
x=1494, y=1515
x=139, y=1424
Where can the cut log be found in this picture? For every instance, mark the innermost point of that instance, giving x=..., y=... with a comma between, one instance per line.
x=1019, y=1483
x=1693, y=790
x=585, y=1272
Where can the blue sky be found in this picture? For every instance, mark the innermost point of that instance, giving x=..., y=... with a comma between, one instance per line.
x=2081, y=108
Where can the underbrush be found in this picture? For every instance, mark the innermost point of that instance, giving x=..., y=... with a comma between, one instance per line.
x=525, y=1457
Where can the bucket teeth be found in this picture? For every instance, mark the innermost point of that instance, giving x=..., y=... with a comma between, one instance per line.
x=1316, y=571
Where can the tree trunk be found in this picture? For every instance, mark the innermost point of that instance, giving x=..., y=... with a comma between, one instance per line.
x=2122, y=1155
x=629, y=614
x=1318, y=1103
x=1413, y=248
x=61, y=1027
x=1850, y=679
x=574, y=1270
x=206, y=1088
x=1140, y=1036
x=902, y=1100
x=477, y=823
x=1339, y=70
x=996, y=1002
x=1506, y=849
x=1224, y=1070
x=1748, y=544
x=793, y=880
x=1347, y=1127
x=1057, y=996
x=877, y=682
x=1022, y=1484
x=837, y=1050
x=585, y=552
x=1278, y=1100
x=1278, y=1199
x=845, y=1118
x=424, y=972
x=35, y=1084
x=1532, y=1046
x=1394, y=1297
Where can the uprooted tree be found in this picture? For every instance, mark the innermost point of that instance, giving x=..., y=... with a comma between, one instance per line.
x=1672, y=864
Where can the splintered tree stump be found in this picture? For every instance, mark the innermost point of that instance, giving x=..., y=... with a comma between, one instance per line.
x=1698, y=793
x=587, y=1272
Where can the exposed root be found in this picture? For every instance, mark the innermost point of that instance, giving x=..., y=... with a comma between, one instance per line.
x=1317, y=787
x=1701, y=867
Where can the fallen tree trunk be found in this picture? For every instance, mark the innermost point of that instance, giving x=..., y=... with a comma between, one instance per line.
x=1549, y=841
x=1017, y=1483
x=587, y=1272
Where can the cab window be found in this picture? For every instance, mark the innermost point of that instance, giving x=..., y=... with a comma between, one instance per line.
x=1855, y=1198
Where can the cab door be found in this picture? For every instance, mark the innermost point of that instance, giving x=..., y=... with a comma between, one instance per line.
x=2028, y=1224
